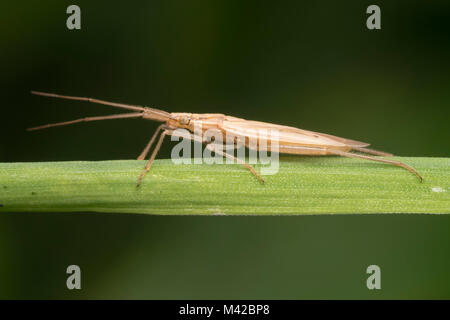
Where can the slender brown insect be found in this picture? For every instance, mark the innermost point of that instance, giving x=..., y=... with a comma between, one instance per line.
x=291, y=140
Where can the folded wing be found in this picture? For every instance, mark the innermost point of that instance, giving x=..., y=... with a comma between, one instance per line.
x=287, y=135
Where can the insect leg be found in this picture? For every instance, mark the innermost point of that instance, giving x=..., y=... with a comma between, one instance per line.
x=150, y=161
x=158, y=146
x=245, y=164
x=372, y=151
x=150, y=143
x=194, y=137
x=360, y=156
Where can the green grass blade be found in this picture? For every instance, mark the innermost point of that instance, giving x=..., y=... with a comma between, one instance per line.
x=303, y=185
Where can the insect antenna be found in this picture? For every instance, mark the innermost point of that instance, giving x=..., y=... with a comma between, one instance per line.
x=144, y=112
x=91, y=100
x=88, y=119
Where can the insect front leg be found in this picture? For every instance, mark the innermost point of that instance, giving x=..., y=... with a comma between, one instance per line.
x=167, y=131
x=150, y=143
x=150, y=161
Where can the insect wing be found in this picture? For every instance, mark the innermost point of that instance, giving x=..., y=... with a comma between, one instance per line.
x=286, y=135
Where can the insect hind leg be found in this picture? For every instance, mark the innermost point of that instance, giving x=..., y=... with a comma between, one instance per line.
x=360, y=156
x=372, y=151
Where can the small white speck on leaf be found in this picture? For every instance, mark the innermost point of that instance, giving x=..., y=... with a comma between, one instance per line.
x=437, y=189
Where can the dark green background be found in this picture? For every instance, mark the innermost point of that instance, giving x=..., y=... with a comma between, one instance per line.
x=311, y=64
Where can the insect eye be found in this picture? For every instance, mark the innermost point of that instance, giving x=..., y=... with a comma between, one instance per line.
x=184, y=120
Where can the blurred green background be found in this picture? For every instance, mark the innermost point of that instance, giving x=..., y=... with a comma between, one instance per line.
x=309, y=64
